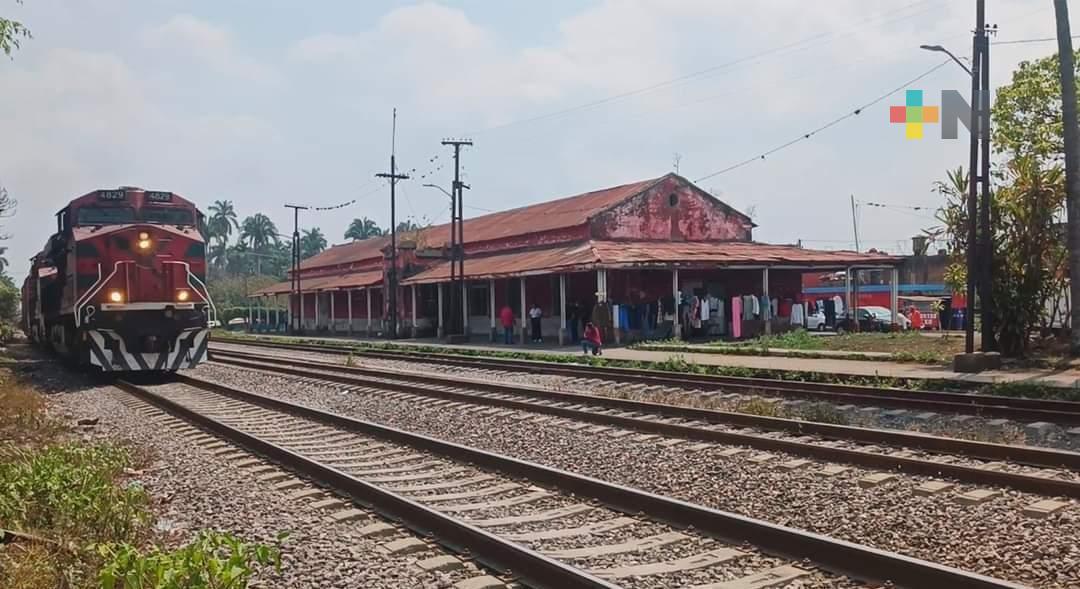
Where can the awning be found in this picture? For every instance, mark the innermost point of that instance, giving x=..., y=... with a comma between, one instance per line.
x=648, y=254
x=325, y=283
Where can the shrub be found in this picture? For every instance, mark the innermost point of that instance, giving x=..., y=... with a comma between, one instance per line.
x=213, y=560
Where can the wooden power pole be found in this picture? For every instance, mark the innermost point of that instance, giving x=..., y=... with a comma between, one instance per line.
x=1072, y=164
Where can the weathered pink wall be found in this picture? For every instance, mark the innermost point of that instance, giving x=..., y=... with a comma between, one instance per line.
x=696, y=216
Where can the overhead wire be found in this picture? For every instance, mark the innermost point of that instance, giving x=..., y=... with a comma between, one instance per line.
x=712, y=69
x=827, y=125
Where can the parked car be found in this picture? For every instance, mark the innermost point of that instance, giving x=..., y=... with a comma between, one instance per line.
x=873, y=319
x=816, y=322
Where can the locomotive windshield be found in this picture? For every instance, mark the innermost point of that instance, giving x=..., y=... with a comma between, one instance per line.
x=167, y=216
x=106, y=215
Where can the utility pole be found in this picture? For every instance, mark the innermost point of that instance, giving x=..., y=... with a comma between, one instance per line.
x=973, y=273
x=1072, y=165
x=393, y=176
x=986, y=297
x=855, y=222
x=295, y=281
x=457, y=251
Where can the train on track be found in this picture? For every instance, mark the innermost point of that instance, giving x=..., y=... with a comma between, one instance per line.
x=121, y=284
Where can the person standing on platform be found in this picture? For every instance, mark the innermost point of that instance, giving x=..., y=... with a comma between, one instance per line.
x=535, y=315
x=506, y=317
x=573, y=315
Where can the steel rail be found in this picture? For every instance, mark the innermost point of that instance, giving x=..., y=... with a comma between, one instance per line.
x=1015, y=408
x=1034, y=484
x=838, y=556
x=527, y=565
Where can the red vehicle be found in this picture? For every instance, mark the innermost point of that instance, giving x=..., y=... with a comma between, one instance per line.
x=120, y=286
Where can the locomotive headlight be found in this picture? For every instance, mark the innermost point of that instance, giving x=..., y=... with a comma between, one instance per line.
x=144, y=244
x=116, y=296
x=183, y=295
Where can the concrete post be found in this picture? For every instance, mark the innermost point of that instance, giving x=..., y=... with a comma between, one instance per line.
x=675, y=293
x=465, y=307
x=414, y=311
x=349, y=293
x=301, y=305
x=251, y=322
x=441, y=332
x=524, y=316
x=847, y=291
x=316, y=293
x=894, y=294
x=367, y=300
x=491, y=304
x=562, y=309
x=333, y=316
x=767, y=311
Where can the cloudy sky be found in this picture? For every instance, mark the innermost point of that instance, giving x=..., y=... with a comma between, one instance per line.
x=267, y=102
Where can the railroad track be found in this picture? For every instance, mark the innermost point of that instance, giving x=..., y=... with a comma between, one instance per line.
x=540, y=526
x=1038, y=470
x=990, y=406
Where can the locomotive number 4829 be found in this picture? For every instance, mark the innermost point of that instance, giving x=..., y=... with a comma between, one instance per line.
x=121, y=284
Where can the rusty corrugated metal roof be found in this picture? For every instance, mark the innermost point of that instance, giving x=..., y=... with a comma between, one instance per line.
x=345, y=253
x=322, y=283
x=546, y=216
x=630, y=254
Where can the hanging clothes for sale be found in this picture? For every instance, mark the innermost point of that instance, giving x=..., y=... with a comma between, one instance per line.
x=704, y=314
x=755, y=307
x=695, y=312
x=774, y=305
x=797, y=314
x=763, y=307
x=747, y=306
x=838, y=304
x=736, y=317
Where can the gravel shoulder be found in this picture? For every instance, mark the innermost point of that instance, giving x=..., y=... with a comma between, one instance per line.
x=992, y=538
x=194, y=489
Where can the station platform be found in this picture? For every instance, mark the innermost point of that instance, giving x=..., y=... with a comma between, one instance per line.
x=1067, y=378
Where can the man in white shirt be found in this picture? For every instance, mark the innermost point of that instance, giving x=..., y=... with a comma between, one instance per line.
x=535, y=314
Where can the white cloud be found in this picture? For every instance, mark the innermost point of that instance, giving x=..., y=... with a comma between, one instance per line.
x=212, y=46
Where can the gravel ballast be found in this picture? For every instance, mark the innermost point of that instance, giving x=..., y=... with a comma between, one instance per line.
x=992, y=538
x=963, y=426
x=192, y=489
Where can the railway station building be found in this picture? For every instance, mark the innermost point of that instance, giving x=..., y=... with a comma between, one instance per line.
x=652, y=259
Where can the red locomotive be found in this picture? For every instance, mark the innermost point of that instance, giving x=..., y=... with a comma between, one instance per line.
x=121, y=285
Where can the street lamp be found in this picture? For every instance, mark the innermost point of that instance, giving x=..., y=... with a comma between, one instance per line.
x=440, y=188
x=980, y=138
x=940, y=49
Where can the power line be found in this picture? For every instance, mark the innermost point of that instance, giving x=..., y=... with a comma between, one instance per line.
x=709, y=70
x=835, y=121
x=1020, y=41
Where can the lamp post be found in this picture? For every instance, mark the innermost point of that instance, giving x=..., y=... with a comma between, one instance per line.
x=453, y=256
x=979, y=242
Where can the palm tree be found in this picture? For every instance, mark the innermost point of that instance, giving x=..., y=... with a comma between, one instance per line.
x=407, y=226
x=259, y=232
x=222, y=220
x=3, y=259
x=312, y=242
x=363, y=229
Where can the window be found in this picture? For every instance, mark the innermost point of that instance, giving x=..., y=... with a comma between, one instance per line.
x=167, y=216
x=106, y=215
x=673, y=200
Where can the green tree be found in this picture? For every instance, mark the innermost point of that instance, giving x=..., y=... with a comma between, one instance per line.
x=3, y=260
x=12, y=32
x=222, y=220
x=362, y=229
x=1027, y=111
x=1029, y=249
x=259, y=232
x=312, y=242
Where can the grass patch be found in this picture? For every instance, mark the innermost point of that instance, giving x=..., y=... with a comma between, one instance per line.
x=71, y=518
